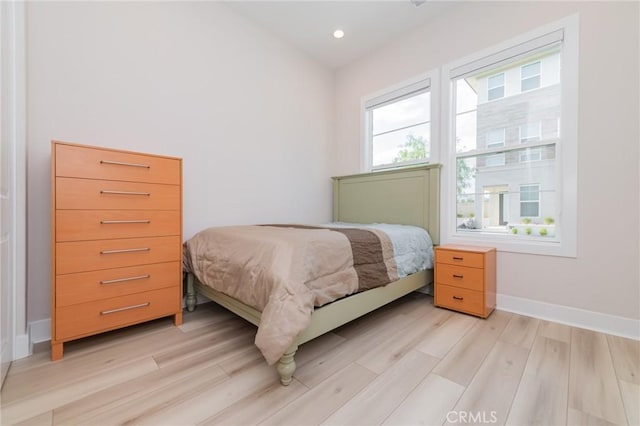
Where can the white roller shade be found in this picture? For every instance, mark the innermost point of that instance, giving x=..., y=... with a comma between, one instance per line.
x=396, y=95
x=508, y=54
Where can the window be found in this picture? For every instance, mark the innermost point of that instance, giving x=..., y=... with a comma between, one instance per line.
x=530, y=132
x=529, y=201
x=527, y=155
x=495, y=161
x=495, y=87
x=530, y=76
x=399, y=126
x=495, y=138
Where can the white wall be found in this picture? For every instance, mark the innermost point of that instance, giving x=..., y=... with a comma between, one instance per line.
x=250, y=116
x=604, y=278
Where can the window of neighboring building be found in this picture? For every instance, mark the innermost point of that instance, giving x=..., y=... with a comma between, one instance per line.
x=495, y=87
x=494, y=160
x=530, y=132
x=527, y=155
x=399, y=126
x=530, y=76
x=495, y=138
x=550, y=203
x=529, y=201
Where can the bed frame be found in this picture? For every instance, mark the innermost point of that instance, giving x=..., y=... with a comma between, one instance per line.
x=408, y=196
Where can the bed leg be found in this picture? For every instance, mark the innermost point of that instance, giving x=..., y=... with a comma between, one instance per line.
x=287, y=365
x=191, y=294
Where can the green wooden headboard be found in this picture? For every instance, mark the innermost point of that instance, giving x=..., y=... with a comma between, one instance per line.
x=408, y=196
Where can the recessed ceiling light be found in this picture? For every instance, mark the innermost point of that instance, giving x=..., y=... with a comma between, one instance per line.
x=338, y=33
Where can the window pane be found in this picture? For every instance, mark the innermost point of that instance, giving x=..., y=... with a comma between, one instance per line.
x=494, y=160
x=403, y=145
x=495, y=188
x=530, y=83
x=466, y=96
x=530, y=132
x=403, y=113
x=495, y=137
x=529, y=209
x=496, y=93
x=529, y=193
x=466, y=131
x=496, y=80
x=531, y=70
x=530, y=155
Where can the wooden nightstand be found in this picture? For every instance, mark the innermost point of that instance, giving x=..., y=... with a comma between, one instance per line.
x=465, y=279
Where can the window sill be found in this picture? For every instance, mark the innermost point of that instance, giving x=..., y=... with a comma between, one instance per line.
x=520, y=244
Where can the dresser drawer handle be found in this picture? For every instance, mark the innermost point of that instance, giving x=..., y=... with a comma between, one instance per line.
x=121, y=280
x=458, y=276
x=108, y=191
x=119, y=222
x=458, y=298
x=125, y=250
x=120, y=163
x=458, y=258
x=126, y=308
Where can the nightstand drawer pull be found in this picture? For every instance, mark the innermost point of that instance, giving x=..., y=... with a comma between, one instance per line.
x=108, y=191
x=121, y=280
x=119, y=222
x=458, y=258
x=125, y=250
x=120, y=163
x=458, y=298
x=458, y=276
x=126, y=308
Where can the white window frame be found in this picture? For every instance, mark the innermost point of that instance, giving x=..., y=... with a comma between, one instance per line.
x=503, y=85
x=529, y=138
x=495, y=144
x=530, y=155
x=495, y=156
x=530, y=201
x=565, y=243
x=427, y=81
x=539, y=75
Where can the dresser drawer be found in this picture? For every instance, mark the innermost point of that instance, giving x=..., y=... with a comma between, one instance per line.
x=104, y=284
x=456, y=257
x=460, y=276
x=101, y=315
x=460, y=299
x=96, y=163
x=83, y=256
x=80, y=225
x=89, y=194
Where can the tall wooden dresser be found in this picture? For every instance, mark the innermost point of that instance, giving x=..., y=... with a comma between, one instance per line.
x=116, y=227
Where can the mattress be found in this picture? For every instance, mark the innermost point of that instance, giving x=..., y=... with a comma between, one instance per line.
x=284, y=271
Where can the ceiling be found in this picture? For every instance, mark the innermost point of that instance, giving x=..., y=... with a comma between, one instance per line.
x=309, y=25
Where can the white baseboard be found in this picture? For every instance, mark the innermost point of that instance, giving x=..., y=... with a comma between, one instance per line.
x=597, y=321
x=40, y=331
x=22, y=348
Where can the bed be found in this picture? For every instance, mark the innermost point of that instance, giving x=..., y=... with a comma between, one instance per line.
x=408, y=196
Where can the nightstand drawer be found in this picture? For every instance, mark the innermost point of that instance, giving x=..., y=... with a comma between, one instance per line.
x=460, y=276
x=457, y=257
x=460, y=299
x=102, y=315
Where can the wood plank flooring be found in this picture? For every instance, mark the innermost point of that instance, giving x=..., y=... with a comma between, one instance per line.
x=407, y=363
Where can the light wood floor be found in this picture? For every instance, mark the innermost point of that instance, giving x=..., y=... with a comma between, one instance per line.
x=407, y=363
